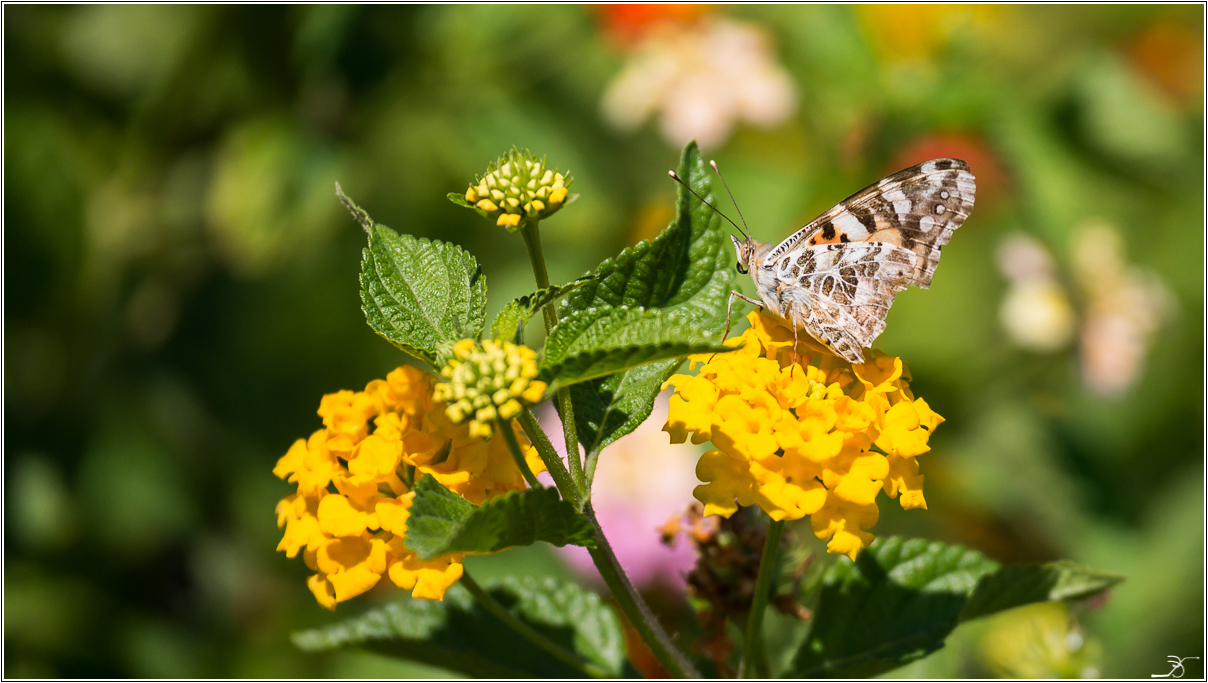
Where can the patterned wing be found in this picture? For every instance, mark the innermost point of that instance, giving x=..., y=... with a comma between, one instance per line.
x=916, y=209
x=840, y=293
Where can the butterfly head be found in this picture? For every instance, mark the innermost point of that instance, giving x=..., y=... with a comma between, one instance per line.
x=745, y=250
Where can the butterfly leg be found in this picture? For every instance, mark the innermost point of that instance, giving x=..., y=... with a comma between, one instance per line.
x=794, y=365
x=730, y=308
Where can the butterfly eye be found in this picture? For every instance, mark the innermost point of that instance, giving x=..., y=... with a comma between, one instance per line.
x=740, y=268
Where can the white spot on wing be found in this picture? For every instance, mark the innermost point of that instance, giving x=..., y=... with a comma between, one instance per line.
x=895, y=195
x=902, y=206
x=927, y=223
x=850, y=224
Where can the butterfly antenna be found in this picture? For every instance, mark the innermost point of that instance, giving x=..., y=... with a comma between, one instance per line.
x=702, y=199
x=723, y=184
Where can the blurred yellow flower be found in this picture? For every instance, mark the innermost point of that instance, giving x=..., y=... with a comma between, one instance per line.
x=353, y=535
x=1039, y=641
x=920, y=32
x=1036, y=311
x=817, y=438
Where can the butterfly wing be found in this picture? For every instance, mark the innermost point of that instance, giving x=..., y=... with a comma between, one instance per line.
x=837, y=276
x=842, y=292
x=917, y=209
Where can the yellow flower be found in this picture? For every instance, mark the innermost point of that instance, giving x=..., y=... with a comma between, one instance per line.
x=427, y=579
x=351, y=565
x=820, y=438
x=349, y=515
x=517, y=187
x=486, y=382
x=299, y=515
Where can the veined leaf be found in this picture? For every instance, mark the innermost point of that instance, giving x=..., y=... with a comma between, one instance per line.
x=1013, y=586
x=421, y=295
x=509, y=323
x=687, y=269
x=586, y=345
x=443, y=522
x=461, y=636
x=901, y=598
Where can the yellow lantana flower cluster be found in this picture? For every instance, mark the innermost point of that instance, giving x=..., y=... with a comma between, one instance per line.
x=519, y=186
x=820, y=438
x=488, y=382
x=349, y=514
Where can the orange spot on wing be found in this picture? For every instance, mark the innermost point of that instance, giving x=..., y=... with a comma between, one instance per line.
x=819, y=239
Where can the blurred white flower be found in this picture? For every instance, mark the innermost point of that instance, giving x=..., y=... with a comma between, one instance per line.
x=1123, y=305
x=642, y=481
x=702, y=77
x=1037, y=315
x=1036, y=311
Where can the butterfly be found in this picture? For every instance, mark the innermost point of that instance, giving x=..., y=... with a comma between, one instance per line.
x=837, y=277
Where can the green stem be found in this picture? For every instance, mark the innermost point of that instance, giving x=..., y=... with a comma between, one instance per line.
x=626, y=595
x=634, y=607
x=592, y=459
x=752, y=647
x=553, y=464
x=532, y=241
x=509, y=436
x=570, y=435
x=511, y=621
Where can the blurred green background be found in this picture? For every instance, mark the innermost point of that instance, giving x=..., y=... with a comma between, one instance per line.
x=181, y=284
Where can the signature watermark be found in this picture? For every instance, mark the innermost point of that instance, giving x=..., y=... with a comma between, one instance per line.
x=1176, y=670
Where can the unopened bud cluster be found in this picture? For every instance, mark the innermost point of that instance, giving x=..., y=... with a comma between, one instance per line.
x=488, y=382
x=517, y=187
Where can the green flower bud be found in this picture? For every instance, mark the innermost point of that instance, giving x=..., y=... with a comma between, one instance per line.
x=518, y=187
x=488, y=381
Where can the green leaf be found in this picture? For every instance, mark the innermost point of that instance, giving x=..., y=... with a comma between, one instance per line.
x=421, y=295
x=461, y=636
x=459, y=198
x=901, y=598
x=509, y=323
x=688, y=269
x=443, y=522
x=586, y=345
x=1013, y=586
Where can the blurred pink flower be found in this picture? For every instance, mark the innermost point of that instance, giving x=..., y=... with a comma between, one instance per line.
x=641, y=482
x=1126, y=305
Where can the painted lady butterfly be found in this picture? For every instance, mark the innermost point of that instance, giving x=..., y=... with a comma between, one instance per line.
x=837, y=276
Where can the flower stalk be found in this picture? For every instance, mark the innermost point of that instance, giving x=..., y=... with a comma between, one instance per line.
x=634, y=607
x=578, y=490
x=509, y=437
x=532, y=241
x=553, y=464
x=752, y=647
